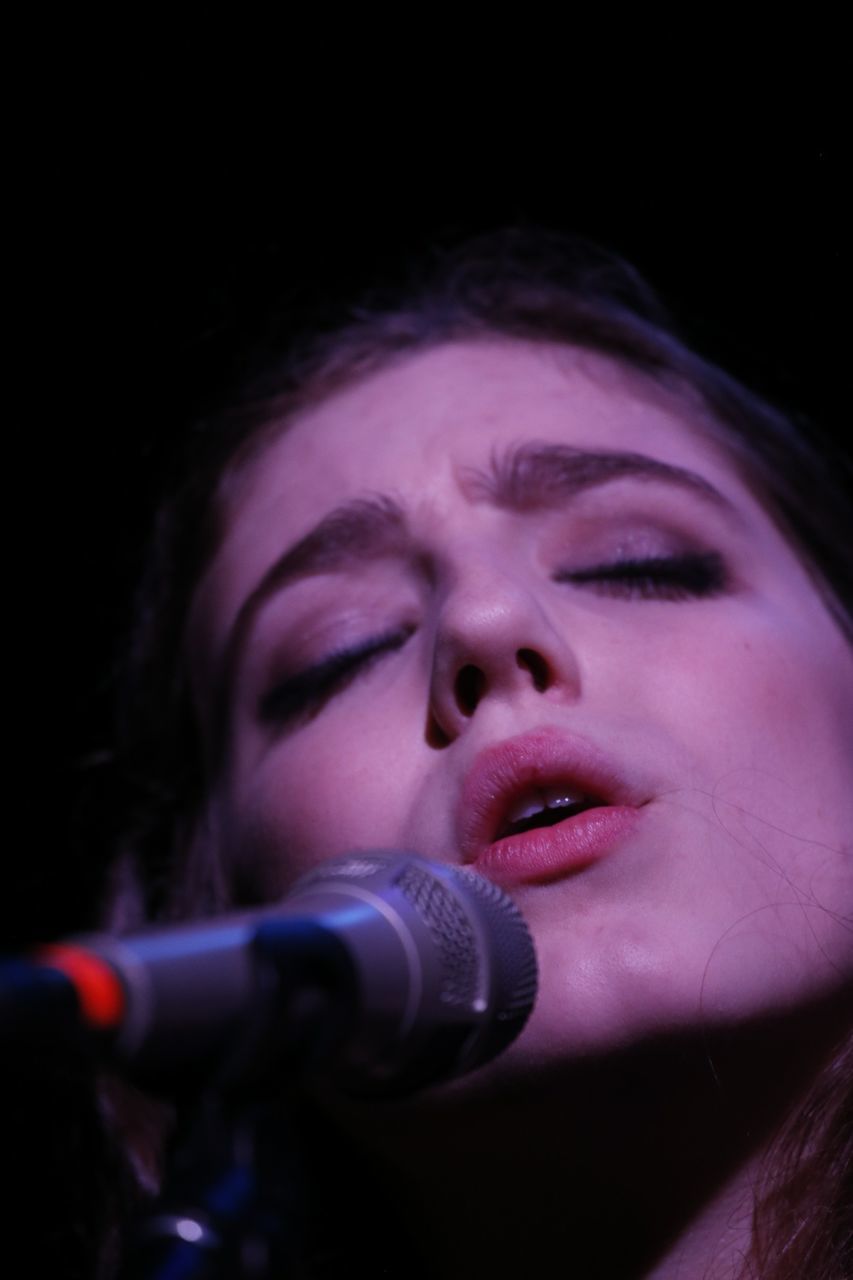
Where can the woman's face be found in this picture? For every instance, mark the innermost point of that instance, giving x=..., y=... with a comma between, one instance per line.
x=507, y=604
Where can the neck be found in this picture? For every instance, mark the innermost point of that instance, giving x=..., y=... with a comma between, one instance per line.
x=641, y=1166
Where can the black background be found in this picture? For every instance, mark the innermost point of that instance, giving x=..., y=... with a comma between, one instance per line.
x=175, y=187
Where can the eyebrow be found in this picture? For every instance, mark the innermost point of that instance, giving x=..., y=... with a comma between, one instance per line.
x=523, y=478
x=541, y=475
x=364, y=529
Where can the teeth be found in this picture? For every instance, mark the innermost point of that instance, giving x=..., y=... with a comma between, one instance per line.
x=526, y=806
x=534, y=801
x=559, y=798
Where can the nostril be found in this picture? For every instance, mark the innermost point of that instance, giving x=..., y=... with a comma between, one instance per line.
x=469, y=688
x=435, y=735
x=533, y=662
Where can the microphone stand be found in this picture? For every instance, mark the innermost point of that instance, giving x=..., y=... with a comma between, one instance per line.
x=233, y=1205
x=234, y=1202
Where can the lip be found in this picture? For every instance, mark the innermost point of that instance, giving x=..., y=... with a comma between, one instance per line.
x=544, y=758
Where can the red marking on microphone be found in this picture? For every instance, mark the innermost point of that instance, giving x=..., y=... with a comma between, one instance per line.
x=98, y=988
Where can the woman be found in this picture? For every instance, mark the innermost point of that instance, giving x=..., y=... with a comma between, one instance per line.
x=505, y=575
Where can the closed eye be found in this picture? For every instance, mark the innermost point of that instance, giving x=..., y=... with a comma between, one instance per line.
x=679, y=577
x=300, y=696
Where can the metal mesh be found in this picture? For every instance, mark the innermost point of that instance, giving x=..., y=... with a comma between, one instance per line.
x=450, y=930
x=510, y=959
x=513, y=957
x=358, y=868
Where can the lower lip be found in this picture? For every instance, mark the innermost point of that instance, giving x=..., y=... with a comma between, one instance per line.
x=552, y=853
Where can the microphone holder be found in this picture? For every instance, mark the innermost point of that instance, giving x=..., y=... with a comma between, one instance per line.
x=233, y=1204
x=234, y=1200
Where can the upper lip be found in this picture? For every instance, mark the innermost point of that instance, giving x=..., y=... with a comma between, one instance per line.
x=503, y=772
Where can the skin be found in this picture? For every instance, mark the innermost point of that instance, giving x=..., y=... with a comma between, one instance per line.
x=729, y=711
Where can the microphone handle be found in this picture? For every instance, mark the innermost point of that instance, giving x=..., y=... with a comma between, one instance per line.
x=388, y=972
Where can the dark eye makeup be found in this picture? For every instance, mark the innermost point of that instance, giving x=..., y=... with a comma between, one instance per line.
x=301, y=695
x=689, y=575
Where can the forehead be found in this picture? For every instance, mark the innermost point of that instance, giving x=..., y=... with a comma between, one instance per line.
x=413, y=432
x=413, y=429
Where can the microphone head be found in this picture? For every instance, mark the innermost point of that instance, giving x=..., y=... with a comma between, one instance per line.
x=445, y=967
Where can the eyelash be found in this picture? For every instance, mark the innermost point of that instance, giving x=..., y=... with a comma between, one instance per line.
x=301, y=696
x=691, y=576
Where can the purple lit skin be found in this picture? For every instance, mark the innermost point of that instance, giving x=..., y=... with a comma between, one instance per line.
x=661, y=632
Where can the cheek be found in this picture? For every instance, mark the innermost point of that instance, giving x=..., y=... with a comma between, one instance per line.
x=745, y=689
x=752, y=717
x=340, y=783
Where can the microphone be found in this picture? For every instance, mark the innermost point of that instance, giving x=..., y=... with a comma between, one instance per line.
x=380, y=973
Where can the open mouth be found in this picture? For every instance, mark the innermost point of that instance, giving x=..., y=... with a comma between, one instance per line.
x=518, y=789
x=543, y=807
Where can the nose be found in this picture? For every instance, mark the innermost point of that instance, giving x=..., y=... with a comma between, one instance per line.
x=494, y=641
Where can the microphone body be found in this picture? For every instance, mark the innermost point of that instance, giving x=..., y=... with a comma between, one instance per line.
x=383, y=973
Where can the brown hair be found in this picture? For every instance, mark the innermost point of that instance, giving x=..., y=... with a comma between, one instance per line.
x=803, y=1223
x=539, y=287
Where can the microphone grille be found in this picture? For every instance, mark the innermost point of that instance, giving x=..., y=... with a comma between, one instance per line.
x=450, y=929
x=483, y=959
x=513, y=954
